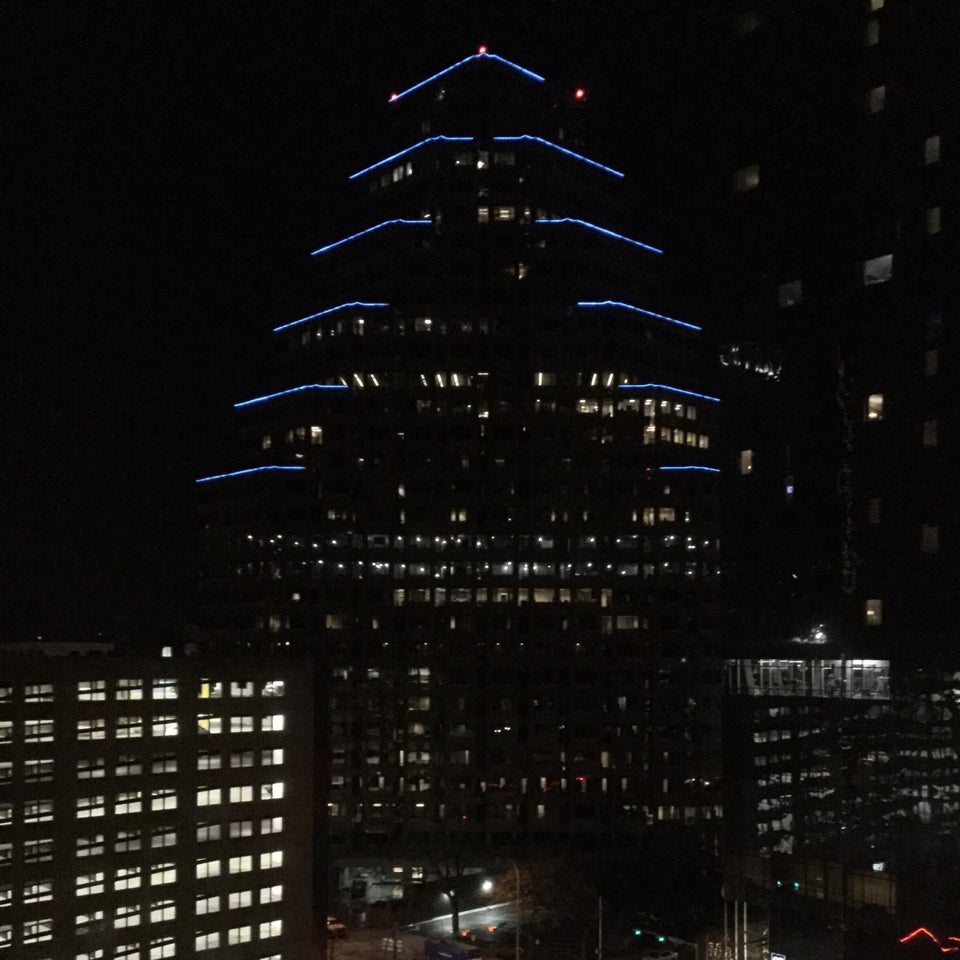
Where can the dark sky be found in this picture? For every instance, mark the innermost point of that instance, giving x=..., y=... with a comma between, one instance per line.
x=169, y=165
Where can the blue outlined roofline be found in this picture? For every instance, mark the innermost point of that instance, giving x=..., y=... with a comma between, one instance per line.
x=249, y=470
x=482, y=55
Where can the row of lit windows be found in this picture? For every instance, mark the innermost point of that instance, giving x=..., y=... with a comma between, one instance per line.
x=134, y=689
x=495, y=542
x=95, y=728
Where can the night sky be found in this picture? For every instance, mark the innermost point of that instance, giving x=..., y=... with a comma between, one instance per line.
x=169, y=167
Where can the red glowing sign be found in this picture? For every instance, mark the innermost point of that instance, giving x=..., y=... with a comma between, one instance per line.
x=943, y=948
x=580, y=93
x=482, y=49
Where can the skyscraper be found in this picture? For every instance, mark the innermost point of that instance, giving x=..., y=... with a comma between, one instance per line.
x=824, y=156
x=481, y=490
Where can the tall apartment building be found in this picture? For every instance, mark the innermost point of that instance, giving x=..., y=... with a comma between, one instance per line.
x=481, y=488
x=154, y=808
x=824, y=156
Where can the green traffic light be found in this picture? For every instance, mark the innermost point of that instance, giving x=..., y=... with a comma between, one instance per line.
x=637, y=933
x=661, y=939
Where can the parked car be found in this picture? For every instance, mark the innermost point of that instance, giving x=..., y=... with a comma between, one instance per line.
x=336, y=928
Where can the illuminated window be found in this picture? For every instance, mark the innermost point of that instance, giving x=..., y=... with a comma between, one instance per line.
x=37, y=931
x=165, y=799
x=871, y=35
x=874, y=407
x=164, y=726
x=161, y=837
x=242, y=864
x=746, y=462
x=90, y=846
x=241, y=828
x=241, y=758
x=89, y=884
x=206, y=941
x=207, y=832
x=930, y=433
x=41, y=731
x=39, y=771
x=746, y=178
x=931, y=149
x=273, y=858
x=129, y=727
x=164, y=689
x=38, y=693
x=878, y=270
x=272, y=758
x=877, y=99
x=504, y=213
x=127, y=841
x=271, y=928
x=86, y=921
x=36, y=892
x=873, y=613
x=6, y=731
x=876, y=5
x=789, y=294
x=127, y=878
x=206, y=723
x=128, y=766
x=272, y=894
x=241, y=794
x=92, y=690
x=6, y=854
x=126, y=916
x=161, y=910
x=162, y=947
x=207, y=868
x=207, y=905
x=90, y=807
x=208, y=760
x=164, y=763
x=932, y=220
x=241, y=724
x=241, y=688
x=129, y=689
x=90, y=768
x=271, y=825
x=239, y=934
x=163, y=873
x=128, y=803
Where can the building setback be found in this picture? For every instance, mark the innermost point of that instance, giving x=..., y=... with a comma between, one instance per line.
x=154, y=808
x=481, y=489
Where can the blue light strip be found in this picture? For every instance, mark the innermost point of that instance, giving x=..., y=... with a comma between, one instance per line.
x=283, y=393
x=376, y=226
x=663, y=386
x=603, y=230
x=460, y=63
x=630, y=306
x=402, y=153
x=240, y=473
x=526, y=137
x=323, y=313
x=700, y=469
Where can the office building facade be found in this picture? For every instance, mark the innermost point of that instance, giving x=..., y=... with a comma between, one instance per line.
x=481, y=489
x=154, y=808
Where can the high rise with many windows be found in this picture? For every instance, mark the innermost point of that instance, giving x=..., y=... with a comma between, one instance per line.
x=481, y=489
x=824, y=141
x=154, y=808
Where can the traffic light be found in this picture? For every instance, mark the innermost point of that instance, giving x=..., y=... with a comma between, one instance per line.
x=637, y=932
